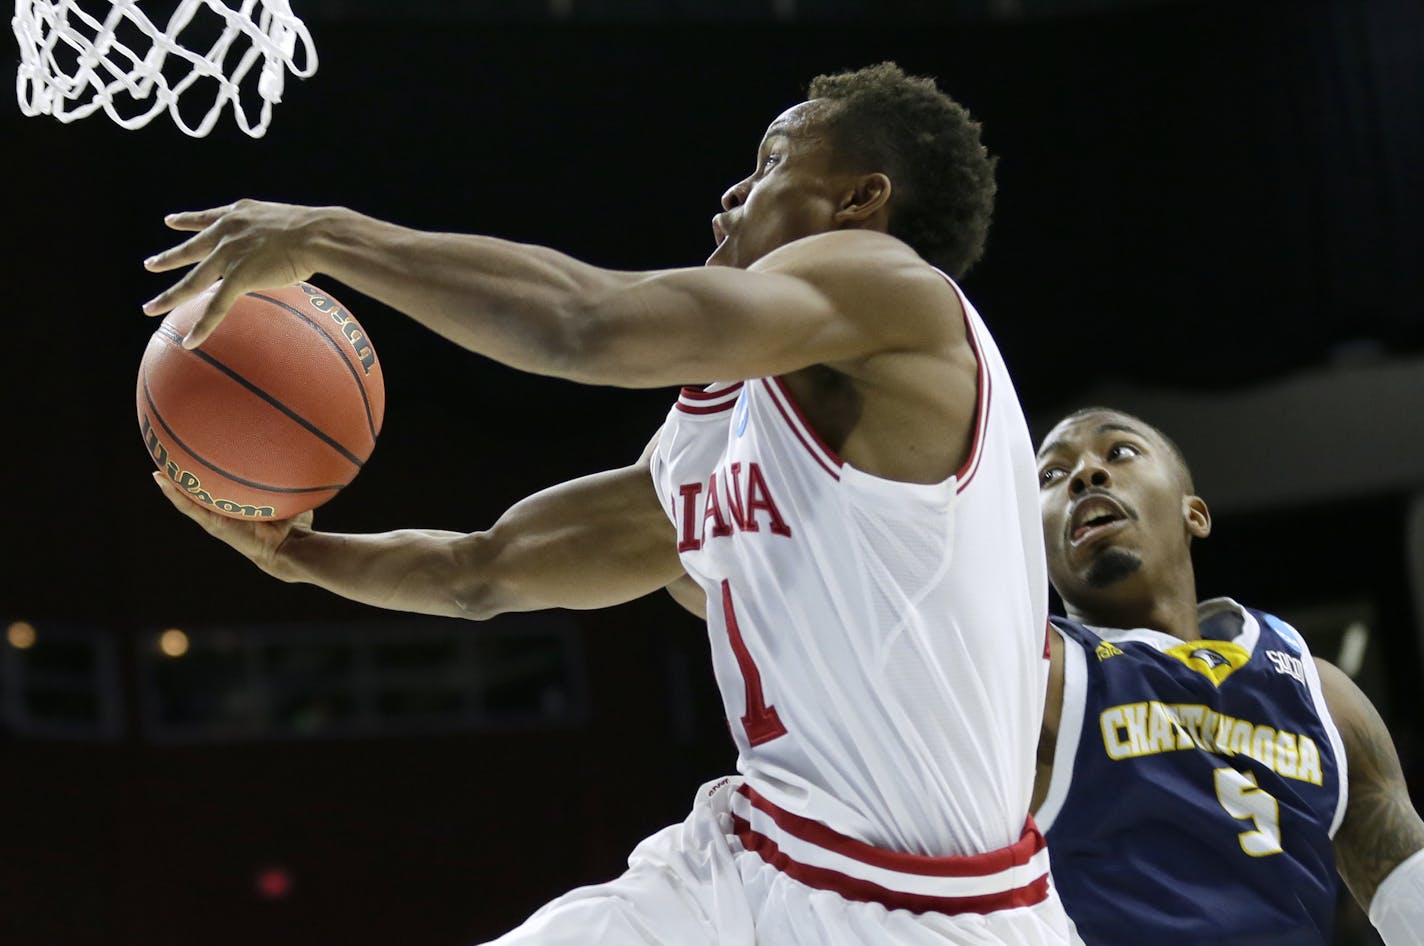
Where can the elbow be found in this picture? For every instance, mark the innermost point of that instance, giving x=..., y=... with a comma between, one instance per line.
x=576, y=349
x=475, y=592
x=474, y=608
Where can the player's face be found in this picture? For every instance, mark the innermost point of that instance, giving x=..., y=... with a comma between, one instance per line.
x=1115, y=511
x=791, y=193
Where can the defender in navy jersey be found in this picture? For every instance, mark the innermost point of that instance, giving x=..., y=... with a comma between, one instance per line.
x=1201, y=775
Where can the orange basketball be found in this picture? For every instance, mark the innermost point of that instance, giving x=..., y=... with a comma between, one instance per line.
x=274, y=414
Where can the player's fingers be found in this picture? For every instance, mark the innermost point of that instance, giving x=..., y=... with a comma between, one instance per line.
x=184, y=505
x=223, y=297
x=197, y=219
x=194, y=282
x=189, y=251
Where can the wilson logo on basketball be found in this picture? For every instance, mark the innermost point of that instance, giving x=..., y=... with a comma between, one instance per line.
x=364, y=352
x=190, y=484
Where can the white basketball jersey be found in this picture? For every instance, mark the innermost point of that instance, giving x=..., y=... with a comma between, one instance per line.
x=879, y=645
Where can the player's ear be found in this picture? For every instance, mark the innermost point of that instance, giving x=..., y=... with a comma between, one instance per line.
x=1197, y=517
x=867, y=196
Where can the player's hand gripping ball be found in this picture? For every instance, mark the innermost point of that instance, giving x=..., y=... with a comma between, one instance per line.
x=273, y=414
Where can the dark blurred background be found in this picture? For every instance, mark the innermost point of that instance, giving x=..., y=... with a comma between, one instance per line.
x=1208, y=213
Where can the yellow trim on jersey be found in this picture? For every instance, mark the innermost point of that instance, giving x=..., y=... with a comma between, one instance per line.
x=1215, y=660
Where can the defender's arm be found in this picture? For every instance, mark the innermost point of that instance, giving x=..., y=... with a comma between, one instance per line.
x=823, y=299
x=1052, y=716
x=1379, y=847
x=588, y=543
x=689, y=595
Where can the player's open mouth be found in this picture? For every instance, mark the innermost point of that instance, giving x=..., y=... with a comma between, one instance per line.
x=1094, y=516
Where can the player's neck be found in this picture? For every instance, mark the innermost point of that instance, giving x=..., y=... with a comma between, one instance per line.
x=1169, y=607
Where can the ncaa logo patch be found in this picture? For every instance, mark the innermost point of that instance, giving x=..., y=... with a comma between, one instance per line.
x=739, y=418
x=1287, y=633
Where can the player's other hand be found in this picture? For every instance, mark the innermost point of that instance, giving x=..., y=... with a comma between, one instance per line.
x=244, y=246
x=259, y=541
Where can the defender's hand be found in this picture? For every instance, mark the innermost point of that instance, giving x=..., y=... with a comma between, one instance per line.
x=259, y=541
x=246, y=246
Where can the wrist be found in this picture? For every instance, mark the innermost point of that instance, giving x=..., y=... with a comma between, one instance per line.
x=286, y=561
x=324, y=230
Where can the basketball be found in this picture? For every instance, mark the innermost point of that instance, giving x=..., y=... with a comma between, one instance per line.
x=273, y=414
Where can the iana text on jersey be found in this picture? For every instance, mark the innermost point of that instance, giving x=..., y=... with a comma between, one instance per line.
x=732, y=504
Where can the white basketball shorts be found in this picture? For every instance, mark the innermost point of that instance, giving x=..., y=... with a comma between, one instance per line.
x=742, y=872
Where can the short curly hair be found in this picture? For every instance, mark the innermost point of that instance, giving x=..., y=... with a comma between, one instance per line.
x=929, y=147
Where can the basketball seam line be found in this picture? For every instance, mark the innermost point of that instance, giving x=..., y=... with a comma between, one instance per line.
x=360, y=385
x=148, y=396
x=172, y=335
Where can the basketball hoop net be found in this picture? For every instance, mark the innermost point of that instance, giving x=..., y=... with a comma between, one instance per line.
x=73, y=63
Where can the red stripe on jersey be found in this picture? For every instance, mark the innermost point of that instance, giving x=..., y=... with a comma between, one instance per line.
x=984, y=389
x=711, y=402
x=698, y=394
x=826, y=457
x=853, y=888
x=965, y=865
x=805, y=424
x=709, y=409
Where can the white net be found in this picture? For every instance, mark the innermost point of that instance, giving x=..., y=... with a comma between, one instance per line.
x=74, y=62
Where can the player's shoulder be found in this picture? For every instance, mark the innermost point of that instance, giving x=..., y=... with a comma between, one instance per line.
x=1073, y=631
x=839, y=251
x=645, y=459
x=1349, y=707
x=1280, y=627
x=872, y=274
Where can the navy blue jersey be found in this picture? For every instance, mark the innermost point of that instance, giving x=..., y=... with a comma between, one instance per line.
x=1196, y=785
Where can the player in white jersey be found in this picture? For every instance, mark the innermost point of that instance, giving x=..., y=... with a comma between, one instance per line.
x=877, y=590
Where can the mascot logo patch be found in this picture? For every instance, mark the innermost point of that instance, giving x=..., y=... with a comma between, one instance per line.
x=1215, y=660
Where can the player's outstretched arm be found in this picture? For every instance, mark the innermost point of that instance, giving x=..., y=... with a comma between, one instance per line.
x=1379, y=847
x=819, y=300
x=588, y=543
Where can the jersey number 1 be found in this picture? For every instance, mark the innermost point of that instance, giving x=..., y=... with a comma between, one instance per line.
x=761, y=722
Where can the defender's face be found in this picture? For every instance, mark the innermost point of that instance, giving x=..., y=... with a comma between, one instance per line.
x=1113, y=505
x=791, y=194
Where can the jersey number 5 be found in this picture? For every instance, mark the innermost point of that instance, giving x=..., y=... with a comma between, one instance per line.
x=1245, y=800
x=761, y=723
